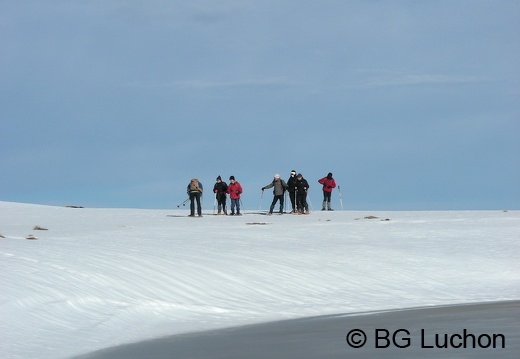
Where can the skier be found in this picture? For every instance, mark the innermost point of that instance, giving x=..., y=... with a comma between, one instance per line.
x=291, y=184
x=278, y=191
x=220, y=189
x=328, y=184
x=234, y=190
x=301, y=187
x=195, y=191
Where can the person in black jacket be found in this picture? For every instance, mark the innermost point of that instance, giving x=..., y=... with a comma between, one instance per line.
x=301, y=187
x=220, y=189
x=291, y=185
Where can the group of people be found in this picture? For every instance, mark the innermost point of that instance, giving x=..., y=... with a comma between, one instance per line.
x=221, y=190
x=296, y=186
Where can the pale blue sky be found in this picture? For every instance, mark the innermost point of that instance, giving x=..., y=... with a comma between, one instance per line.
x=114, y=103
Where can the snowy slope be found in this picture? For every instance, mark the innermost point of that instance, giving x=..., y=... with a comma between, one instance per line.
x=101, y=277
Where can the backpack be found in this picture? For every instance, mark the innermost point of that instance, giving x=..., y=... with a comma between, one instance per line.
x=194, y=185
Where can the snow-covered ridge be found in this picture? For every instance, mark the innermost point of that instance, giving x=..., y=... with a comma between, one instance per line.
x=100, y=277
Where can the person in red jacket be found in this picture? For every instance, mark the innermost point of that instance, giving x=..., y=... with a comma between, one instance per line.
x=234, y=189
x=328, y=184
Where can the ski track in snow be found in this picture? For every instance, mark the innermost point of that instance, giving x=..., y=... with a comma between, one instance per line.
x=101, y=277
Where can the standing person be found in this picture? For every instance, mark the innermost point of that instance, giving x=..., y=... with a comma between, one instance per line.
x=291, y=185
x=328, y=184
x=220, y=189
x=278, y=191
x=234, y=190
x=301, y=187
x=195, y=191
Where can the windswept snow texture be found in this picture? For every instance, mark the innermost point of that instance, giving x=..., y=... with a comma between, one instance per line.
x=97, y=278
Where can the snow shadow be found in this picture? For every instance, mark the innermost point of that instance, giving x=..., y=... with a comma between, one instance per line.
x=469, y=331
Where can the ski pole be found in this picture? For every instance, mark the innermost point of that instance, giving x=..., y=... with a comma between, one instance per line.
x=295, y=200
x=309, y=200
x=183, y=203
x=215, y=203
x=261, y=198
x=340, y=199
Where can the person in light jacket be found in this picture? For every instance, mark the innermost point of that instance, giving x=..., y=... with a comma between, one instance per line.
x=279, y=186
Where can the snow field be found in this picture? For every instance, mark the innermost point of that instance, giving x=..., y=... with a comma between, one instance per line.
x=101, y=277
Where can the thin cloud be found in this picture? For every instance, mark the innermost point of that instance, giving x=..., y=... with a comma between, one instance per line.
x=419, y=80
x=211, y=84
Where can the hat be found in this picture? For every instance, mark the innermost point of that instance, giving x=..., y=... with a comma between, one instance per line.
x=219, y=178
x=293, y=172
x=299, y=175
x=231, y=178
x=329, y=175
x=277, y=176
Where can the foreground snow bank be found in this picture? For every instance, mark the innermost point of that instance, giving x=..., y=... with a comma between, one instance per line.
x=101, y=277
x=421, y=334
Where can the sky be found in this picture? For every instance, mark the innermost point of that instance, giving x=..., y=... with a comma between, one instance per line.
x=412, y=105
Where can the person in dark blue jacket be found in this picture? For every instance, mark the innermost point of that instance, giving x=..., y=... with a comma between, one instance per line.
x=301, y=187
x=195, y=192
x=220, y=189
